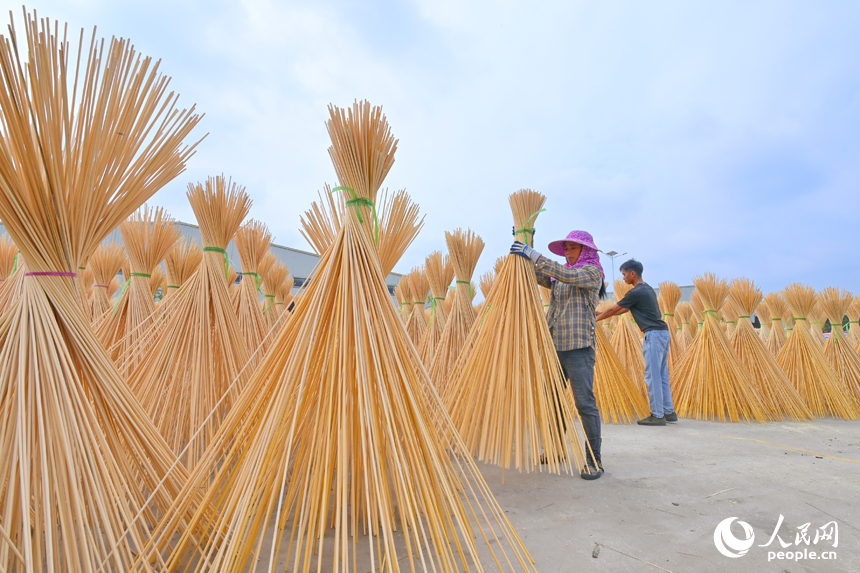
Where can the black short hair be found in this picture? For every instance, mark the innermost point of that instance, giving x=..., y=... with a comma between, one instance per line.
x=632, y=265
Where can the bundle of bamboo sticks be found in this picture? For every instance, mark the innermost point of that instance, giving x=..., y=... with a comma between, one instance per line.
x=80, y=456
x=506, y=393
x=105, y=263
x=711, y=382
x=464, y=250
x=854, y=323
x=803, y=360
x=274, y=279
x=670, y=294
x=764, y=317
x=191, y=376
x=838, y=350
x=440, y=273
x=685, y=334
x=627, y=343
x=773, y=387
x=333, y=439
x=419, y=288
x=148, y=236
x=253, y=240
x=777, y=308
x=619, y=399
x=180, y=263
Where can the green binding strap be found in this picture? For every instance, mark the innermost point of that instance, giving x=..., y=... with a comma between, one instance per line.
x=744, y=316
x=271, y=302
x=172, y=286
x=258, y=278
x=529, y=230
x=803, y=319
x=125, y=288
x=15, y=268
x=714, y=312
x=776, y=320
x=226, y=258
x=471, y=288
x=356, y=201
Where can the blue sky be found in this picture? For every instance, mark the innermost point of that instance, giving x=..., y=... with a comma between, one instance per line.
x=696, y=136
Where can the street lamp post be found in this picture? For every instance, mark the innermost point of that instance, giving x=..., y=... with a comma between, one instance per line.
x=612, y=255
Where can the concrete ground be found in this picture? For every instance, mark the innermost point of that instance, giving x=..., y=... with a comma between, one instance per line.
x=666, y=488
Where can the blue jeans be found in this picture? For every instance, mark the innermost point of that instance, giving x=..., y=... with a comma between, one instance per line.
x=578, y=367
x=656, y=352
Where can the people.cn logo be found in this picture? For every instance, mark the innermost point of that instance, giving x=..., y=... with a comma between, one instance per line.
x=727, y=543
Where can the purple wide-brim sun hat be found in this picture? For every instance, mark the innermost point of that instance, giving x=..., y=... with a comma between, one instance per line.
x=582, y=237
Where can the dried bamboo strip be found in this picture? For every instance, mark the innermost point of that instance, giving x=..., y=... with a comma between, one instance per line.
x=779, y=397
x=711, y=382
x=803, y=360
x=80, y=454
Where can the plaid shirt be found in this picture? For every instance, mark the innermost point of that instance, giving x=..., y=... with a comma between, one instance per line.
x=571, y=315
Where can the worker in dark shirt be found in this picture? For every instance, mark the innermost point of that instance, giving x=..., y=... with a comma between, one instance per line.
x=641, y=301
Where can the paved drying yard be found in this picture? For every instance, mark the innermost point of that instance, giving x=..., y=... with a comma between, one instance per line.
x=666, y=488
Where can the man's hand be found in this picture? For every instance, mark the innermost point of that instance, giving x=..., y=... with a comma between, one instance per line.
x=526, y=251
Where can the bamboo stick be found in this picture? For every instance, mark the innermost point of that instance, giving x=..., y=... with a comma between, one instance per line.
x=419, y=287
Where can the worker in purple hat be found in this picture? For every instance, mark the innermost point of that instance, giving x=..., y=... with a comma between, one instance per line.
x=577, y=286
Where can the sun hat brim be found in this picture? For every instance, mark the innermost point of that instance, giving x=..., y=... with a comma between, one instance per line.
x=557, y=247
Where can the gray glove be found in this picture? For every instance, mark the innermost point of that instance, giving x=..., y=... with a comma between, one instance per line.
x=526, y=251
